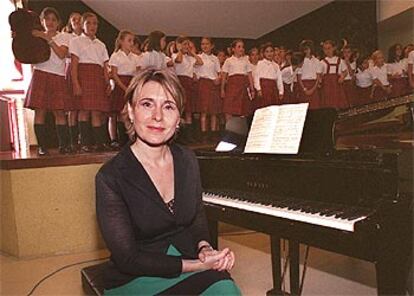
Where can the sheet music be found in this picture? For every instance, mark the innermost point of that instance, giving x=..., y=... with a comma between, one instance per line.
x=277, y=129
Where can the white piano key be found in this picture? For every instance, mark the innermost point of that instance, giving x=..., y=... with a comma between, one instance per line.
x=315, y=219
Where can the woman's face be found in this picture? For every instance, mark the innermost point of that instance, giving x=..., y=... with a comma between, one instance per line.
x=50, y=22
x=90, y=26
x=155, y=116
x=76, y=22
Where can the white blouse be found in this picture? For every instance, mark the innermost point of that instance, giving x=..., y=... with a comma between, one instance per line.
x=311, y=67
x=54, y=64
x=380, y=73
x=210, y=67
x=153, y=59
x=89, y=51
x=363, y=78
x=186, y=67
x=268, y=70
x=332, y=69
x=234, y=65
x=126, y=64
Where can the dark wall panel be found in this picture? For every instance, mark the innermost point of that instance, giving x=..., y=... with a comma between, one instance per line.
x=353, y=20
x=107, y=32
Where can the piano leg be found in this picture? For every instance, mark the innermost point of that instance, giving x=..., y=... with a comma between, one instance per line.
x=294, y=267
x=276, y=266
x=391, y=278
x=213, y=229
x=395, y=254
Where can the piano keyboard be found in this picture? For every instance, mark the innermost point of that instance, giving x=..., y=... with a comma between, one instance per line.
x=333, y=217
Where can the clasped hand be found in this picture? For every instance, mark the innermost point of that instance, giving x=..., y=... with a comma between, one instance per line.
x=217, y=260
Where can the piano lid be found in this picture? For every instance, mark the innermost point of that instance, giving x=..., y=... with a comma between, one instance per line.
x=387, y=125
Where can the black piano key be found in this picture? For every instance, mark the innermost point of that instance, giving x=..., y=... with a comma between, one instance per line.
x=357, y=213
x=341, y=214
x=331, y=211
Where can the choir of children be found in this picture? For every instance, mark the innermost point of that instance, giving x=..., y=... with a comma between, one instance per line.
x=84, y=88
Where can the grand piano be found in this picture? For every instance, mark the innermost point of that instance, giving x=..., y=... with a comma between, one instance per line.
x=349, y=191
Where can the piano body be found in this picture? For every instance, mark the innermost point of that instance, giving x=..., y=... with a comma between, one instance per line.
x=355, y=202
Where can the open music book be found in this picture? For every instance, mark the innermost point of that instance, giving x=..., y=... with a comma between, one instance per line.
x=277, y=129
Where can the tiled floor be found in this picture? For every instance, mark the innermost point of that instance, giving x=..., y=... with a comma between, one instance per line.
x=327, y=273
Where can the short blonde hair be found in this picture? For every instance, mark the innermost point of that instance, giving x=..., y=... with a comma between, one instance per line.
x=375, y=55
x=169, y=83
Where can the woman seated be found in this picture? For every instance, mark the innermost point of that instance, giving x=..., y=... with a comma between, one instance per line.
x=149, y=205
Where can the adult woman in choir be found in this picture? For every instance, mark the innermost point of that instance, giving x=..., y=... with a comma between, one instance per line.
x=334, y=71
x=74, y=29
x=237, y=87
x=48, y=90
x=309, y=76
x=268, y=80
x=90, y=81
x=149, y=205
x=397, y=71
x=382, y=86
x=208, y=88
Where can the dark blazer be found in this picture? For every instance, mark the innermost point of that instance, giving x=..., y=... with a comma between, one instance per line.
x=135, y=222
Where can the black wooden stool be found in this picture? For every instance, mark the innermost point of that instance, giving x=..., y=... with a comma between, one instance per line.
x=92, y=279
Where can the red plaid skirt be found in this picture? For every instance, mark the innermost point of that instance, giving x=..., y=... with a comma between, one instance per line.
x=333, y=95
x=196, y=99
x=92, y=83
x=209, y=96
x=400, y=87
x=236, y=101
x=380, y=94
x=46, y=91
x=72, y=102
x=364, y=95
x=350, y=93
x=118, y=95
x=188, y=85
x=270, y=94
x=314, y=100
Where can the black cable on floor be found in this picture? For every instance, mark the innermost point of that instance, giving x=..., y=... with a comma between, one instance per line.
x=60, y=269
